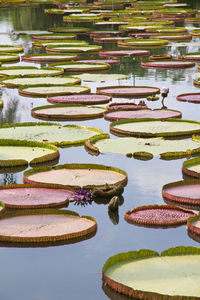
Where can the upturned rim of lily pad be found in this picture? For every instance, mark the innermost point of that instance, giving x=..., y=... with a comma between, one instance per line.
x=181, y=97
x=76, y=166
x=120, y=132
x=62, y=56
x=58, y=71
x=72, y=49
x=10, y=57
x=42, y=37
x=95, y=66
x=164, y=64
x=69, y=29
x=110, y=106
x=34, y=186
x=14, y=49
x=2, y=207
x=104, y=99
x=162, y=223
x=194, y=231
x=77, y=117
x=189, y=163
x=41, y=239
x=139, y=255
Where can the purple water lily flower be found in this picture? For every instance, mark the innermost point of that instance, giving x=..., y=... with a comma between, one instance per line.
x=82, y=197
x=164, y=91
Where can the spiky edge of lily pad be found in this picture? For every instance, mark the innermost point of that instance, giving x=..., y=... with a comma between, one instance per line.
x=30, y=57
x=59, y=71
x=138, y=95
x=13, y=85
x=15, y=49
x=190, y=163
x=23, y=92
x=61, y=144
x=21, y=162
x=144, y=254
x=47, y=238
x=148, y=134
x=76, y=166
x=153, y=223
x=43, y=116
x=180, y=199
x=98, y=66
x=20, y=186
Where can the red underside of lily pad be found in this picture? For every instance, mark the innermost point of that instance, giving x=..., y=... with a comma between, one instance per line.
x=80, y=99
x=124, y=53
x=168, y=64
x=193, y=97
x=125, y=106
x=99, y=60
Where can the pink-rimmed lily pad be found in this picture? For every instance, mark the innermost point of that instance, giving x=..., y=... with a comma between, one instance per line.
x=184, y=193
x=41, y=225
x=112, y=39
x=176, y=64
x=17, y=196
x=190, y=97
x=128, y=91
x=155, y=128
x=193, y=226
x=67, y=112
x=125, y=106
x=191, y=168
x=124, y=53
x=159, y=114
x=158, y=216
x=99, y=60
x=81, y=66
x=195, y=56
x=80, y=99
x=131, y=273
x=76, y=176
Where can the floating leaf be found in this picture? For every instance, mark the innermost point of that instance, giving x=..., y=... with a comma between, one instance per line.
x=191, y=168
x=6, y=57
x=81, y=66
x=77, y=175
x=10, y=48
x=48, y=57
x=124, y=53
x=168, y=64
x=72, y=49
x=99, y=77
x=80, y=99
x=190, y=97
x=128, y=91
x=29, y=71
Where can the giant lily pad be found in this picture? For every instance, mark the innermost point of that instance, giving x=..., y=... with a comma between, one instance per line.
x=67, y=112
x=14, y=81
x=99, y=77
x=69, y=29
x=10, y=49
x=141, y=148
x=191, y=168
x=158, y=216
x=99, y=60
x=40, y=58
x=77, y=175
x=80, y=99
x=48, y=37
x=67, y=135
x=155, y=128
x=29, y=71
x=143, y=43
x=44, y=226
x=168, y=64
x=143, y=274
x=183, y=193
x=7, y=57
x=124, y=53
x=191, y=97
x=33, y=196
x=125, y=106
x=59, y=43
x=193, y=225
x=14, y=152
x=190, y=56
x=173, y=37
x=81, y=66
x=128, y=91
x=72, y=49
x=43, y=91
x=160, y=114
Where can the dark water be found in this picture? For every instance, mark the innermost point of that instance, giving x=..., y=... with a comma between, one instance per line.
x=74, y=271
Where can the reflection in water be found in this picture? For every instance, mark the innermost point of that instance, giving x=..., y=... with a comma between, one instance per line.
x=9, y=114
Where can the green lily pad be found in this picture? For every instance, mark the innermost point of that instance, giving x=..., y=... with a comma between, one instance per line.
x=50, y=90
x=143, y=43
x=15, y=152
x=59, y=43
x=40, y=58
x=81, y=66
x=7, y=57
x=191, y=168
x=2, y=207
x=47, y=225
x=30, y=32
x=154, y=128
x=13, y=81
x=73, y=49
x=77, y=175
x=146, y=274
x=67, y=112
x=99, y=77
x=10, y=48
x=69, y=29
x=166, y=149
x=29, y=71
x=67, y=135
x=60, y=36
